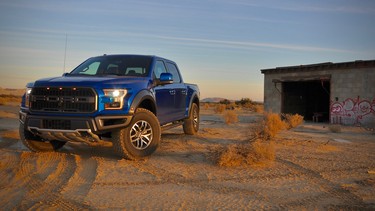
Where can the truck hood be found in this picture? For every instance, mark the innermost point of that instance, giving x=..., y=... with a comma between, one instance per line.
x=90, y=81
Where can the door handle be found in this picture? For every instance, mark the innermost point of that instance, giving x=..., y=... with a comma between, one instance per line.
x=172, y=92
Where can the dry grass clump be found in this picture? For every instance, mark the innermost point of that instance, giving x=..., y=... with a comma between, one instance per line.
x=335, y=128
x=230, y=116
x=206, y=106
x=219, y=108
x=272, y=125
x=293, y=121
x=260, y=148
x=251, y=153
x=259, y=108
x=9, y=99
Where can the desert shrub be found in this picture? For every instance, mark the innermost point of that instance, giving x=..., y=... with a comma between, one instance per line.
x=225, y=102
x=245, y=103
x=272, y=125
x=250, y=153
x=261, y=152
x=259, y=108
x=293, y=121
x=260, y=147
x=257, y=132
x=335, y=128
x=219, y=108
x=230, y=116
x=8, y=99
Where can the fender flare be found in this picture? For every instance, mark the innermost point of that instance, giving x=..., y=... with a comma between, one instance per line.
x=140, y=97
x=192, y=99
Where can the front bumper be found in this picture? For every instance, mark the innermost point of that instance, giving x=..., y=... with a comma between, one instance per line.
x=98, y=124
x=79, y=129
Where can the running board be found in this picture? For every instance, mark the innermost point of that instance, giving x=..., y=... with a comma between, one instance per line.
x=172, y=125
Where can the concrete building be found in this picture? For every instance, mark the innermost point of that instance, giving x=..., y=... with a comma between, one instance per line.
x=340, y=93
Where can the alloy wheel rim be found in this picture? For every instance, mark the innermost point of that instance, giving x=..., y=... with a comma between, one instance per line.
x=141, y=135
x=195, y=118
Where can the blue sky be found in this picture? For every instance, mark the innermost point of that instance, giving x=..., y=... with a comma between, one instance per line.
x=221, y=45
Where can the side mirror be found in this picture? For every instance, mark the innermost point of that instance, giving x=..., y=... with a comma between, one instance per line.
x=65, y=74
x=166, y=78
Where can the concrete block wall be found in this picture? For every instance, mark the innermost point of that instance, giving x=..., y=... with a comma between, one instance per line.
x=352, y=92
x=353, y=97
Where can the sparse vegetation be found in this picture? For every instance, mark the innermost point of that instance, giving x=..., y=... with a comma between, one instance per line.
x=335, y=128
x=250, y=105
x=6, y=99
x=259, y=108
x=219, y=108
x=245, y=103
x=260, y=147
x=230, y=116
x=273, y=124
x=251, y=153
x=293, y=120
x=225, y=102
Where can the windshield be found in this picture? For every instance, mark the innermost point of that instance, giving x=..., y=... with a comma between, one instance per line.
x=137, y=66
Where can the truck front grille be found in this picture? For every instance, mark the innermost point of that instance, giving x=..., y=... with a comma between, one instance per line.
x=63, y=99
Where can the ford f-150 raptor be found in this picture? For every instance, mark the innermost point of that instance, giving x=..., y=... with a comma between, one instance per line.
x=122, y=101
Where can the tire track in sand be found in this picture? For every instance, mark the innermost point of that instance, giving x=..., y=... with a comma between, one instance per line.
x=79, y=185
x=47, y=193
x=13, y=192
x=331, y=189
x=38, y=181
x=8, y=160
x=223, y=195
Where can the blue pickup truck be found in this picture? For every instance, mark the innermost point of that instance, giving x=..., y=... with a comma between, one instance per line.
x=123, y=101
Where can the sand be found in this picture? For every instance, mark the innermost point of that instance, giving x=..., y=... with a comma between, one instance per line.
x=314, y=169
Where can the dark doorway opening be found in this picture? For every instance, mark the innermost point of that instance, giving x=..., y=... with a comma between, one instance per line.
x=307, y=98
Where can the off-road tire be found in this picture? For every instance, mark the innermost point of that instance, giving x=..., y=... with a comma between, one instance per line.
x=36, y=144
x=191, y=124
x=140, y=138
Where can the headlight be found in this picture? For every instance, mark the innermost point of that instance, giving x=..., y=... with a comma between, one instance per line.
x=114, y=98
x=27, y=96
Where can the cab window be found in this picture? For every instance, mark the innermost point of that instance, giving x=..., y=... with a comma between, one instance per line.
x=173, y=70
x=159, y=69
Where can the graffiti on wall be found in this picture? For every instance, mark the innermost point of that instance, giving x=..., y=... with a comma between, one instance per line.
x=352, y=111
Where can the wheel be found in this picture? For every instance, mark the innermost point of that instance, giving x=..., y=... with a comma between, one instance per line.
x=140, y=139
x=36, y=144
x=191, y=124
